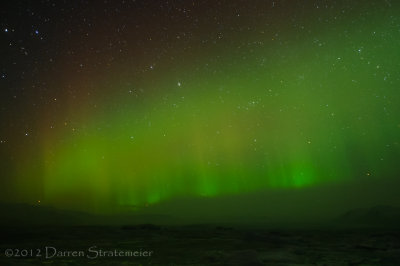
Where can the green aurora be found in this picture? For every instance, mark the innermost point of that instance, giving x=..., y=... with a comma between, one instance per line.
x=303, y=102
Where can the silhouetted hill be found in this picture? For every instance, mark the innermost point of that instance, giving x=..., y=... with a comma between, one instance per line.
x=378, y=216
x=381, y=216
x=25, y=214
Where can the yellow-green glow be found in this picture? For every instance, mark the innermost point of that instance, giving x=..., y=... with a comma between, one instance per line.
x=290, y=104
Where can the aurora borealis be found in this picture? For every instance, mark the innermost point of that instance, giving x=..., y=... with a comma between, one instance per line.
x=132, y=103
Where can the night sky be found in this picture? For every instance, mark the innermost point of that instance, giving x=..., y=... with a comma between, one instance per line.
x=132, y=104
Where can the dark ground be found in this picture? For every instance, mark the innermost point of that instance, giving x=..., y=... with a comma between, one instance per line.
x=201, y=245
